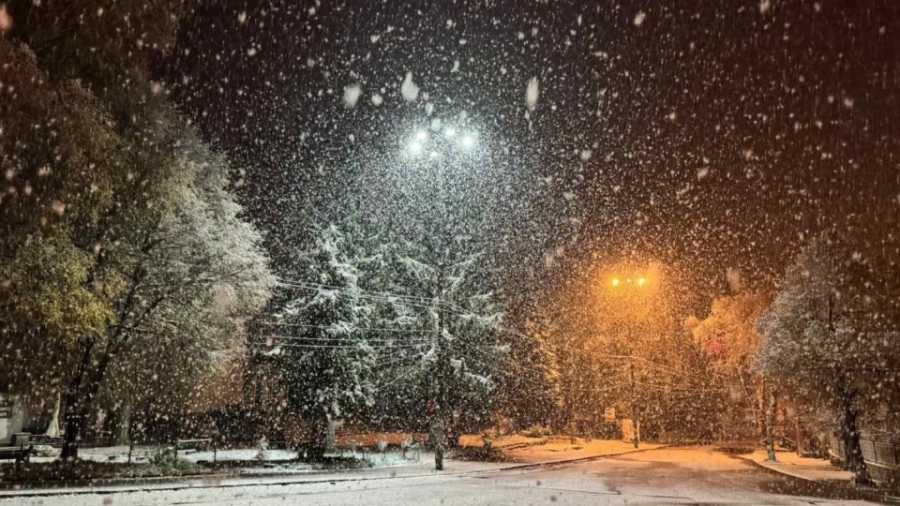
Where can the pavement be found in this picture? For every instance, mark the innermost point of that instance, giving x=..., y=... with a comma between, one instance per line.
x=696, y=475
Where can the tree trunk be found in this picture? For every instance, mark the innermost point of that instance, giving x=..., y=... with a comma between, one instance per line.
x=437, y=441
x=318, y=438
x=79, y=400
x=850, y=439
x=72, y=409
x=761, y=409
x=70, y=436
x=771, y=411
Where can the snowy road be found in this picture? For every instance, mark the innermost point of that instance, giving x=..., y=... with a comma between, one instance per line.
x=671, y=476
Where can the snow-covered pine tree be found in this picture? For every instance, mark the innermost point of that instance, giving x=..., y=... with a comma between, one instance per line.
x=326, y=360
x=460, y=352
x=397, y=318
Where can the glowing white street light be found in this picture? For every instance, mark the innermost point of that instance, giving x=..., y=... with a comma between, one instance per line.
x=441, y=141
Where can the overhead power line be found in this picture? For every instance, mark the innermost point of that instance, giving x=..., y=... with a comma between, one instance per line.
x=409, y=300
x=334, y=287
x=344, y=339
x=331, y=327
x=383, y=295
x=335, y=346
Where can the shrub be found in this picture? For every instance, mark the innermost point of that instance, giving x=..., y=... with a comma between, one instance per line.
x=165, y=463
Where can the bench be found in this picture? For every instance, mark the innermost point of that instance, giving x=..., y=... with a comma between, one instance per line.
x=42, y=439
x=193, y=444
x=17, y=453
x=20, y=439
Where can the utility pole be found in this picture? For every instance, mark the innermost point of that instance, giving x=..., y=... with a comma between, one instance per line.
x=442, y=366
x=635, y=412
x=437, y=428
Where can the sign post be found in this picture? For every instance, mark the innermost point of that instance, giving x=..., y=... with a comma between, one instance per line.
x=6, y=409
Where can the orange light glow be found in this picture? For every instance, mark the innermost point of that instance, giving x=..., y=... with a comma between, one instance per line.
x=615, y=282
x=641, y=281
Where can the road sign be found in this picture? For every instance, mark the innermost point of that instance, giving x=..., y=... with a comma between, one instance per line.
x=609, y=415
x=6, y=409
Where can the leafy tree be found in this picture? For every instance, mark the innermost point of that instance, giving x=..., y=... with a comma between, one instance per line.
x=819, y=341
x=95, y=168
x=729, y=338
x=199, y=275
x=62, y=164
x=114, y=205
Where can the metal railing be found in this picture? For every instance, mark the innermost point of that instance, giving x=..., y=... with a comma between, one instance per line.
x=882, y=459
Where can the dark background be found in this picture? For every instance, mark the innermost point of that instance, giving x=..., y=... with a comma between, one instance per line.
x=723, y=133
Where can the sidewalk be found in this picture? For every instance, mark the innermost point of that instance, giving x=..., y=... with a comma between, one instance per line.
x=557, y=451
x=819, y=472
x=502, y=442
x=791, y=464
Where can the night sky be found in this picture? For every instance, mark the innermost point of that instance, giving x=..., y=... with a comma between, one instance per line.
x=702, y=134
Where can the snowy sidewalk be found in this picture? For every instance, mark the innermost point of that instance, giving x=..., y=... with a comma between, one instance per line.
x=560, y=450
x=791, y=464
x=819, y=472
x=500, y=443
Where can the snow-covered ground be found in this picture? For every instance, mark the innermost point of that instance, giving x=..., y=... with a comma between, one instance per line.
x=563, y=449
x=670, y=476
x=118, y=454
x=249, y=461
x=476, y=441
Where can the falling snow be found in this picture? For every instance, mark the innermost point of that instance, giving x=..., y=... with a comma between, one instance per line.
x=260, y=223
x=639, y=18
x=408, y=89
x=352, y=94
x=532, y=92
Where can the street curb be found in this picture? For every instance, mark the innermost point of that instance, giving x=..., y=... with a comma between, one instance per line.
x=779, y=471
x=176, y=486
x=9, y=488
x=867, y=494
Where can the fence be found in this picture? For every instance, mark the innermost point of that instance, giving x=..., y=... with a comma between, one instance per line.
x=882, y=459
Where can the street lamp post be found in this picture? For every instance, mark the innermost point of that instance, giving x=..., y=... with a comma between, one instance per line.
x=635, y=406
x=433, y=151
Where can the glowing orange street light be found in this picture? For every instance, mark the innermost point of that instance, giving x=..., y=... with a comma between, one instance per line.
x=629, y=281
x=635, y=409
